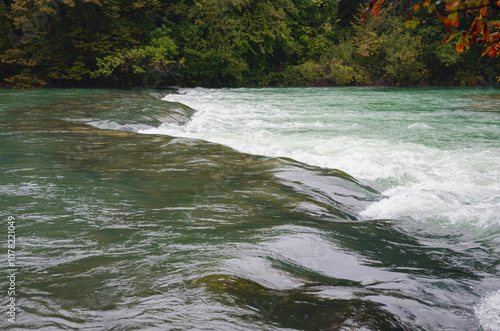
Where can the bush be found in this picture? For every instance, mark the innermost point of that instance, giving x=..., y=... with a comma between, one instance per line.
x=402, y=65
x=313, y=73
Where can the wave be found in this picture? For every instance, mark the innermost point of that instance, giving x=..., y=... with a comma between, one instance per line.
x=116, y=110
x=488, y=312
x=429, y=163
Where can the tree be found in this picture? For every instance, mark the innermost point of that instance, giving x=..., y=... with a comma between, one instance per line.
x=154, y=59
x=388, y=53
x=484, y=29
x=229, y=42
x=61, y=40
x=5, y=40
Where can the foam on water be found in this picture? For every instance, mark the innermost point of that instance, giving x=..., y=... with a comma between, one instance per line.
x=488, y=312
x=433, y=158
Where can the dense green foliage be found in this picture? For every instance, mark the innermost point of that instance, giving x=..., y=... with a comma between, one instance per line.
x=225, y=43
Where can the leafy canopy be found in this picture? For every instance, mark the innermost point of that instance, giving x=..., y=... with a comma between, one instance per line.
x=484, y=29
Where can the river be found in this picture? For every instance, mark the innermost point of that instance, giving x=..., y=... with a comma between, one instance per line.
x=335, y=208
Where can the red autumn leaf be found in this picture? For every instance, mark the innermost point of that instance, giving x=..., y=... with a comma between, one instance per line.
x=477, y=27
x=492, y=51
x=497, y=51
x=484, y=30
x=463, y=42
x=483, y=11
x=454, y=21
x=426, y=3
x=374, y=6
x=368, y=9
x=446, y=21
x=451, y=36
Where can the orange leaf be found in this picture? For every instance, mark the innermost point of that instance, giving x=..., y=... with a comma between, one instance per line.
x=451, y=36
x=446, y=22
x=371, y=4
x=478, y=26
x=463, y=42
x=376, y=8
x=416, y=7
x=484, y=30
x=454, y=22
x=494, y=51
x=483, y=11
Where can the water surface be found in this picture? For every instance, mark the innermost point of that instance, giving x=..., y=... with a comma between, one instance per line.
x=248, y=209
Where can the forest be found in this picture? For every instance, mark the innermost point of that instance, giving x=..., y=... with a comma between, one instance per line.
x=214, y=43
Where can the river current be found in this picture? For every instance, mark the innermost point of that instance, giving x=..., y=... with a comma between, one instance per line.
x=250, y=209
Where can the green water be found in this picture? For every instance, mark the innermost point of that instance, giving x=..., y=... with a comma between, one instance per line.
x=118, y=230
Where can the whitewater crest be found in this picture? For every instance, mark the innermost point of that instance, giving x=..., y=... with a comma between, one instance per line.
x=438, y=154
x=488, y=312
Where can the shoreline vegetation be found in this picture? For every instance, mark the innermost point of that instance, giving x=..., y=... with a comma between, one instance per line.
x=228, y=43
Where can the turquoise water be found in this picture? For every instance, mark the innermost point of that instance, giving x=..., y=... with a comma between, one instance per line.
x=252, y=209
